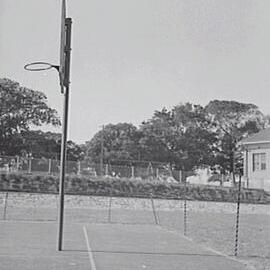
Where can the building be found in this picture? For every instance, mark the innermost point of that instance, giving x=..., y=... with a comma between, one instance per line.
x=257, y=160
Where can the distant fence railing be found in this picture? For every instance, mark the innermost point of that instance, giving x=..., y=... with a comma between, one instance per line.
x=52, y=166
x=152, y=171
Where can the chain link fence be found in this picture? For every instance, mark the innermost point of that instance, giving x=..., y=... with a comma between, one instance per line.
x=150, y=171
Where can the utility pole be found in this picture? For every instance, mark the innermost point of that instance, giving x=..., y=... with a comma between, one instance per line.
x=102, y=151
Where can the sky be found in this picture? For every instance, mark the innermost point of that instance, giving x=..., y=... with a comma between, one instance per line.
x=130, y=58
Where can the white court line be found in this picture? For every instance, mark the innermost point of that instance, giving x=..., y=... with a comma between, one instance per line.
x=89, y=250
x=245, y=263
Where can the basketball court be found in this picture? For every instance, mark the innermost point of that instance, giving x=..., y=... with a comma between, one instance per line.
x=27, y=244
x=103, y=246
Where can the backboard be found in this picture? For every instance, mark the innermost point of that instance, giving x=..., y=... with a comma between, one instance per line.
x=62, y=46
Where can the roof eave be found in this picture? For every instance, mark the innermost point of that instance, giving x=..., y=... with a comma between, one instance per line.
x=258, y=142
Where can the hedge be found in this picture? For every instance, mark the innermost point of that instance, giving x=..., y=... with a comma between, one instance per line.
x=101, y=186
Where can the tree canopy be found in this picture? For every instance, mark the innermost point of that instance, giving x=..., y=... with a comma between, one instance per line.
x=232, y=121
x=20, y=109
x=179, y=137
x=187, y=137
x=120, y=142
x=41, y=144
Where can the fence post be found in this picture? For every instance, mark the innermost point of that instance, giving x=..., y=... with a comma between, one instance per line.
x=110, y=208
x=185, y=206
x=5, y=207
x=79, y=167
x=29, y=165
x=237, y=217
x=132, y=172
x=107, y=170
x=50, y=166
x=18, y=163
x=180, y=176
x=157, y=173
x=222, y=179
x=154, y=209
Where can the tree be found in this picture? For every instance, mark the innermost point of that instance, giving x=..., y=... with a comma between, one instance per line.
x=39, y=144
x=197, y=141
x=233, y=121
x=120, y=144
x=179, y=137
x=187, y=137
x=74, y=151
x=20, y=109
x=47, y=145
x=156, y=142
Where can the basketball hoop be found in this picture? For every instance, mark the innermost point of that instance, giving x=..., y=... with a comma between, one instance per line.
x=39, y=66
x=63, y=70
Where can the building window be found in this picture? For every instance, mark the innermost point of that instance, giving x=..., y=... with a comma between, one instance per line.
x=259, y=161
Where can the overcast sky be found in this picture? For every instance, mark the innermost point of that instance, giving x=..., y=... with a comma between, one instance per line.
x=130, y=57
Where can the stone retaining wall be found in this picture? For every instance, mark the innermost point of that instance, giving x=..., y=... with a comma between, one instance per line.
x=128, y=188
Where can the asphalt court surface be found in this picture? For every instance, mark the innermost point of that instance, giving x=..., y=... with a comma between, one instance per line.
x=32, y=245
x=115, y=246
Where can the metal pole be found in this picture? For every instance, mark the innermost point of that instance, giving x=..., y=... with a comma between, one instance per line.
x=154, y=209
x=62, y=171
x=185, y=205
x=50, y=166
x=64, y=135
x=18, y=163
x=29, y=165
x=5, y=207
x=246, y=167
x=79, y=168
x=180, y=176
x=237, y=217
x=233, y=167
x=110, y=208
x=101, y=151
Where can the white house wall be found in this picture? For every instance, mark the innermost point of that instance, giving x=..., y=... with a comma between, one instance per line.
x=257, y=179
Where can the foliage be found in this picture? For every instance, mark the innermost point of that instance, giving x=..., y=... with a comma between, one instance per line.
x=20, y=109
x=48, y=145
x=74, y=151
x=187, y=137
x=232, y=121
x=119, y=142
x=156, y=140
x=39, y=144
x=179, y=137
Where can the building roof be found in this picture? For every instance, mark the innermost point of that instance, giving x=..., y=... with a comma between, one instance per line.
x=261, y=137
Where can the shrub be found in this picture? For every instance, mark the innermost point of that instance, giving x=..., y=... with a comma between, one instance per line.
x=100, y=186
